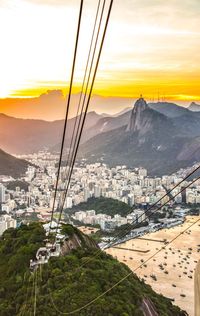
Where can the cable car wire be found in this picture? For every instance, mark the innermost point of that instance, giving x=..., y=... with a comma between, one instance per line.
x=124, y=278
x=82, y=88
x=83, y=104
x=124, y=232
x=35, y=295
x=69, y=160
x=67, y=108
x=87, y=104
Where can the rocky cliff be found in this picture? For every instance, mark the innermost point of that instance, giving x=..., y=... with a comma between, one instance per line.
x=75, y=239
x=145, y=120
x=150, y=139
x=137, y=122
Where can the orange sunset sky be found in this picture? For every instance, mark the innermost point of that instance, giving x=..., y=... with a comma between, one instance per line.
x=152, y=47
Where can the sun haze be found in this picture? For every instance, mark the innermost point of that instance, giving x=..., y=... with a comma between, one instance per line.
x=151, y=47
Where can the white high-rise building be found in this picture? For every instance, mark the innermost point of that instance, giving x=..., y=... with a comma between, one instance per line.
x=86, y=194
x=131, y=199
x=140, y=215
x=5, y=208
x=6, y=221
x=90, y=213
x=2, y=226
x=2, y=193
x=68, y=202
x=131, y=218
x=142, y=172
x=97, y=191
x=80, y=216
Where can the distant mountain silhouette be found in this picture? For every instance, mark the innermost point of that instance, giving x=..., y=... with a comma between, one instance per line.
x=194, y=107
x=51, y=105
x=21, y=136
x=149, y=139
x=162, y=136
x=117, y=114
x=48, y=106
x=169, y=109
x=106, y=124
x=12, y=166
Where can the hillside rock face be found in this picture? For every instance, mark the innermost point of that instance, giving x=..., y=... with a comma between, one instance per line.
x=161, y=138
x=77, y=241
x=137, y=121
x=144, y=121
x=73, y=281
x=150, y=139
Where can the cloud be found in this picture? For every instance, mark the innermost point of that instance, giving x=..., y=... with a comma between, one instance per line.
x=150, y=40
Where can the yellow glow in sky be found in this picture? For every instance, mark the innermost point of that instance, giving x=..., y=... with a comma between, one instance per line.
x=151, y=46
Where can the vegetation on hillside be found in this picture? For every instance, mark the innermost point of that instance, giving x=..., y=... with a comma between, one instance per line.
x=12, y=166
x=105, y=206
x=66, y=283
x=12, y=185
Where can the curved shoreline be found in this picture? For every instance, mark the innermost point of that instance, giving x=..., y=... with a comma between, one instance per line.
x=171, y=272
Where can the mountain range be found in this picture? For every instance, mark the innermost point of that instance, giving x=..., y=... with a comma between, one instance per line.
x=22, y=136
x=160, y=136
x=51, y=105
x=11, y=166
x=162, y=139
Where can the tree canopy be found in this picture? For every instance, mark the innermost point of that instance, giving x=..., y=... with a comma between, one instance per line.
x=104, y=205
x=68, y=282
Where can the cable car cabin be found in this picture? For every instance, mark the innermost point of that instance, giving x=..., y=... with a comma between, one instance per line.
x=42, y=255
x=54, y=250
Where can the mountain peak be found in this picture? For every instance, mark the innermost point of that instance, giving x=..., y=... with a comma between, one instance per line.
x=141, y=103
x=194, y=107
x=136, y=115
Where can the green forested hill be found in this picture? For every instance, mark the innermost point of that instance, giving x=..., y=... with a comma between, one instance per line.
x=66, y=284
x=105, y=206
x=23, y=185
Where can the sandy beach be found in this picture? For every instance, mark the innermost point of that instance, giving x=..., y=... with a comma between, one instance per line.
x=88, y=230
x=170, y=272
